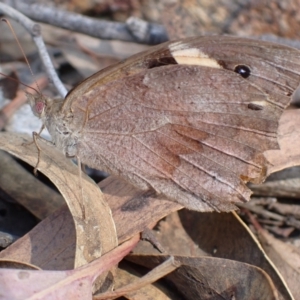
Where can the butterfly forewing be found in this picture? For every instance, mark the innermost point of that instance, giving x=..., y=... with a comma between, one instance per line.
x=185, y=122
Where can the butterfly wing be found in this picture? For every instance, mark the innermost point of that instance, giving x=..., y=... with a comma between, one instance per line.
x=193, y=129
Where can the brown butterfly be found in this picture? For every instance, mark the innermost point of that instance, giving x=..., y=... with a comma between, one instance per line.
x=189, y=119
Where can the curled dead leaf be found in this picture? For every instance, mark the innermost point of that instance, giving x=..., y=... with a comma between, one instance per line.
x=95, y=234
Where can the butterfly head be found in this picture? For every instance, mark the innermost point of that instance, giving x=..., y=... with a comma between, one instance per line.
x=38, y=104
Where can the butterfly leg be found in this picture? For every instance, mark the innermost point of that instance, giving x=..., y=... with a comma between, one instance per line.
x=35, y=136
x=81, y=201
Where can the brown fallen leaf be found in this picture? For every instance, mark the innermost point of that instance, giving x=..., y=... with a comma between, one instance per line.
x=193, y=234
x=220, y=235
x=214, y=278
x=132, y=211
x=95, y=232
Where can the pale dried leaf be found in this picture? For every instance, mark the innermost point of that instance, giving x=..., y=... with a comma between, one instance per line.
x=286, y=258
x=289, y=142
x=73, y=284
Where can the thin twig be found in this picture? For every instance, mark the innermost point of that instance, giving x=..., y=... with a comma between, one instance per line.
x=97, y=28
x=35, y=31
x=268, y=214
x=157, y=273
x=261, y=211
x=145, y=31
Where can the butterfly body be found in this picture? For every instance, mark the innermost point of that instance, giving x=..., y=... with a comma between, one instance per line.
x=189, y=119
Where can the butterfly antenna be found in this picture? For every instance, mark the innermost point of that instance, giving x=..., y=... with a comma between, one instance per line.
x=24, y=55
x=16, y=80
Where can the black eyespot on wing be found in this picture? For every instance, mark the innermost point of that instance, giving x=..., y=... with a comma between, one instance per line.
x=243, y=70
x=159, y=62
x=254, y=106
